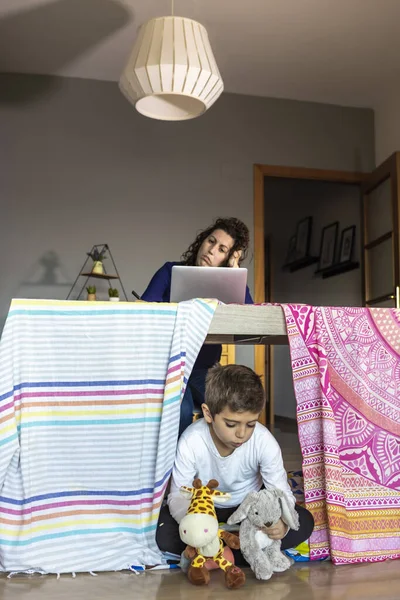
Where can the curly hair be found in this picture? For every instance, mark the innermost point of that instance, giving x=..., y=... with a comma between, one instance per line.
x=233, y=227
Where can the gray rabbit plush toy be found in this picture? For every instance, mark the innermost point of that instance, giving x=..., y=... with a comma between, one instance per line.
x=264, y=509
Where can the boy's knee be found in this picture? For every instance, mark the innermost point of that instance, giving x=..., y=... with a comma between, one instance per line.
x=162, y=539
x=307, y=523
x=168, y=540
x=167, y=533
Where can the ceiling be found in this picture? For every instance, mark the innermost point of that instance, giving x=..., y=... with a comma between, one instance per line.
x=336, y=51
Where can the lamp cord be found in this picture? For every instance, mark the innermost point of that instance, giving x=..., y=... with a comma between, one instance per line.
x=172, y=7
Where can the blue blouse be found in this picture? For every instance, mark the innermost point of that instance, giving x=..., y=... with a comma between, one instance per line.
x=159, y=290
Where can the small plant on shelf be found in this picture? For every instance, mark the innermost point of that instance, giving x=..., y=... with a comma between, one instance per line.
x=97, y=258
x=113, y=294
x=91, y=292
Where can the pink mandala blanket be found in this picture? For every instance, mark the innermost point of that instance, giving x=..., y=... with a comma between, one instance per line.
x=346, y=373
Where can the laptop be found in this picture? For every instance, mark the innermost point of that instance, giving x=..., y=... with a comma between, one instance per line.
x=224, y=283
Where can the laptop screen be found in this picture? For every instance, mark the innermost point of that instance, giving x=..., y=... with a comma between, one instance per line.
x=226, y=284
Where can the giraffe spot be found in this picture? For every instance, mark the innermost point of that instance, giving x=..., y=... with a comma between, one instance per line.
x=198, y=494
x=224, y=563
x=210, y=513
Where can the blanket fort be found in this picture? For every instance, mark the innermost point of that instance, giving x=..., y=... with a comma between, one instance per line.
x=346, y=373
x=89, y=412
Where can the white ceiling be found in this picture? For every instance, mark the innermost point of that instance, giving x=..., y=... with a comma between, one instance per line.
x=336, y=51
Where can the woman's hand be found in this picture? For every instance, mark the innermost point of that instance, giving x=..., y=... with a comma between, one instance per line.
x=277, y=531
x=234, y=259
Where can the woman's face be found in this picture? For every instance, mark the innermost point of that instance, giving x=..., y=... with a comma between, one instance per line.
x=215, y=249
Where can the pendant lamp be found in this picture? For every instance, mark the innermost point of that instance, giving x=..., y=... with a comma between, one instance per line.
x=172, y=74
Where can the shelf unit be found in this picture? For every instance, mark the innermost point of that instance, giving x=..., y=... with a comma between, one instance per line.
x=301, y=263
x=102, y=249
x=99, y=275
x=337, y=269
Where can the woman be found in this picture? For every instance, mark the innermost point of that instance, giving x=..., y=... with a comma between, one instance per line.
x=223, y=244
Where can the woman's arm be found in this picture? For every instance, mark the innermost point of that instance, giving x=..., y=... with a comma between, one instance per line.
x=234, y=263
x=159, y=287
x=248, y=299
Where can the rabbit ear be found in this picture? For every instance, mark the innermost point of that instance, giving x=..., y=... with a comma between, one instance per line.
x=289, y=514
x=241, y=513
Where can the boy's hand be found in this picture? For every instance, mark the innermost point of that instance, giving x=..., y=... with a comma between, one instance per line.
x=277, y=531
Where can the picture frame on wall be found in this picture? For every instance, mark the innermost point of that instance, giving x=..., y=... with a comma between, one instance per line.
x=346, y=247
x=328, y=246
x=303, y=238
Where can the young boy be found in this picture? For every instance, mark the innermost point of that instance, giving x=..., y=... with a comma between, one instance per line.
x=231, y=446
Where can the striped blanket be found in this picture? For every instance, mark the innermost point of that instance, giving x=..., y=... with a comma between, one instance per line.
x=89, y=413
x=346, y=373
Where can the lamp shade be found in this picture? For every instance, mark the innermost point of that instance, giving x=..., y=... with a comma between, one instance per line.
x=172, y=74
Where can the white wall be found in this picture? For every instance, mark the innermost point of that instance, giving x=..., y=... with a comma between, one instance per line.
x=80, y=166
x=287, y=201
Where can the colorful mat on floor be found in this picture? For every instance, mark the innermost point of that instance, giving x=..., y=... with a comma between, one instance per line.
x=89, y=412
x=346, y=373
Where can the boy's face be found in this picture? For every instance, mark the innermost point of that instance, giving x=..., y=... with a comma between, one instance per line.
x=230, y=430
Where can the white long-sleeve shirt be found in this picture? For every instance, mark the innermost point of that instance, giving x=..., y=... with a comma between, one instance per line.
x=257, y=462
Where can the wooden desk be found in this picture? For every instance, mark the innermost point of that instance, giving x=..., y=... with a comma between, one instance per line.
x=248, y=324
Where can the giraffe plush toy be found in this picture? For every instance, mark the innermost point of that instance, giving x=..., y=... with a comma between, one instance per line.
x=199, y=530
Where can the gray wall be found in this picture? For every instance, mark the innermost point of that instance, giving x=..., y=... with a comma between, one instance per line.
x=387, y=125
x=287, y=201
x=79, y=166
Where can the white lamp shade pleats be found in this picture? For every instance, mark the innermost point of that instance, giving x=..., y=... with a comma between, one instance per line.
x=172, y=74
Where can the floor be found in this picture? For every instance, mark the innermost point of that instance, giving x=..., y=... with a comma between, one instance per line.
x=303, y=581
x=311, y=582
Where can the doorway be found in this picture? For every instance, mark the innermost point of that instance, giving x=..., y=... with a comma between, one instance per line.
x=264, y=247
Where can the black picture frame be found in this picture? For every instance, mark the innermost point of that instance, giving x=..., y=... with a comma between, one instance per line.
x=303, y=238
x=346, y=248
x=327, y=252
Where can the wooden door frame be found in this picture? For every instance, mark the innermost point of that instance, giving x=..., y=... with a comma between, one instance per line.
x=260, y=172
x=389, y=169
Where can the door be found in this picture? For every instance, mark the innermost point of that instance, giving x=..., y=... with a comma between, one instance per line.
x=380, y=206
